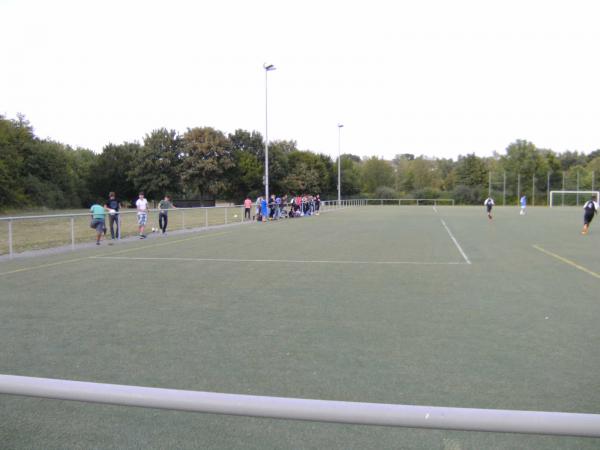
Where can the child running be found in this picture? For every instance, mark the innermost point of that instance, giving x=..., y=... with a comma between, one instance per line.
x=590, y=209
x=489, y=204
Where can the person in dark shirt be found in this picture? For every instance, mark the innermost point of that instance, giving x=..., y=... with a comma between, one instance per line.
x=113, y=205
x=163, y=216
x=590, y=209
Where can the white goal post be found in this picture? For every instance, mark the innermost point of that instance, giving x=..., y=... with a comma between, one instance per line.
x=583, y=193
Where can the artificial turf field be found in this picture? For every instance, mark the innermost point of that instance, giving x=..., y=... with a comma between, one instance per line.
x=371, y=304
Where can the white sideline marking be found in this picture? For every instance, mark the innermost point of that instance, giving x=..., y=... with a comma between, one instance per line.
x=293, y=261
x=455, y=242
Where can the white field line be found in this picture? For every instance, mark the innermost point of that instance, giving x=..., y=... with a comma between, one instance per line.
x=290, y=261
x=455, y=242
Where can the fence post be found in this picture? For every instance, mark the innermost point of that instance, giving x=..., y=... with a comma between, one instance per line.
x=578, y=188
x=563, y=188
x=206, y=217
x=10, y=239
x=548, y=189
x=72, y=233
x=504, y=190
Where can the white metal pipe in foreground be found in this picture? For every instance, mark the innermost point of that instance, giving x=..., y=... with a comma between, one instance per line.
x=494, y=420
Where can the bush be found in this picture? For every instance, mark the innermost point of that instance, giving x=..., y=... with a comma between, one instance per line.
x=427, y=193
x=466, y=195
x=385, y=192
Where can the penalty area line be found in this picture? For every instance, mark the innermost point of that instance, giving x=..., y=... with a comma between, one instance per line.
x=464, y=255
x=566, y=261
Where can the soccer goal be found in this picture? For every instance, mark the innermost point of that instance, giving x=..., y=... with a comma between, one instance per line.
x=571, y=198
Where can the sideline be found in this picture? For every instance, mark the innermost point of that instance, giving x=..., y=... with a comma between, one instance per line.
x=566, y=261
x=290, y=261
x=74, y=260
x=162, y=244
x=41, y=266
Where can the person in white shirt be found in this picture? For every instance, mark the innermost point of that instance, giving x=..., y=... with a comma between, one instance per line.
x=142, y=214
x=590, y=209
x=489, y=204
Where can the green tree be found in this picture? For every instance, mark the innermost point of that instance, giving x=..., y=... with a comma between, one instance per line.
x=112, y=171
x=375, y=173
x=14, y=136
x=157, y=164
x=471, y=171
x=245, y=178
x=308, y=173
x=207, y=160
x=279, y=152
x=351, y=176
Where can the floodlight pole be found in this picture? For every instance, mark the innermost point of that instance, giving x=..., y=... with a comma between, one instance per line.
x=340, y=126
x=268, y=68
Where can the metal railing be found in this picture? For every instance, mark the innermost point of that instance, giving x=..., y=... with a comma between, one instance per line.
x=36, y=232
x=380, y=414
x=409, y=201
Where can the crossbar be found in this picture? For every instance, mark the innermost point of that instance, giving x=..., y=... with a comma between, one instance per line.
x=433, y=417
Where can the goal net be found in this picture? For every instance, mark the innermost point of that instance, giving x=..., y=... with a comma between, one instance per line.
x=571, y=198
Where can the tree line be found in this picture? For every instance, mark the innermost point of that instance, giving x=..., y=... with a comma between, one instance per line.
x=203, y=162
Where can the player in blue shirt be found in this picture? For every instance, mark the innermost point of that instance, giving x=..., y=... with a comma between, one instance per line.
x=523, y=203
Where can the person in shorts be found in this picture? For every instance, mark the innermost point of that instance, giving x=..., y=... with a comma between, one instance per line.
x=142, y=214
x=489, y=204
x=97, y=211
x=523, y=203
x=590, y=210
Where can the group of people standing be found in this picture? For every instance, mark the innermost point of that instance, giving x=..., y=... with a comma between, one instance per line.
x=282, y=207
x=112, y=207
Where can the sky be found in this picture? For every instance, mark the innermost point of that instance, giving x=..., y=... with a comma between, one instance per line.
x=430, y=77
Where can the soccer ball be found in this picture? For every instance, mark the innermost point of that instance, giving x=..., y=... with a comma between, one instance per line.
x=235, y=216
x=153, y=230
x=112, y=212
